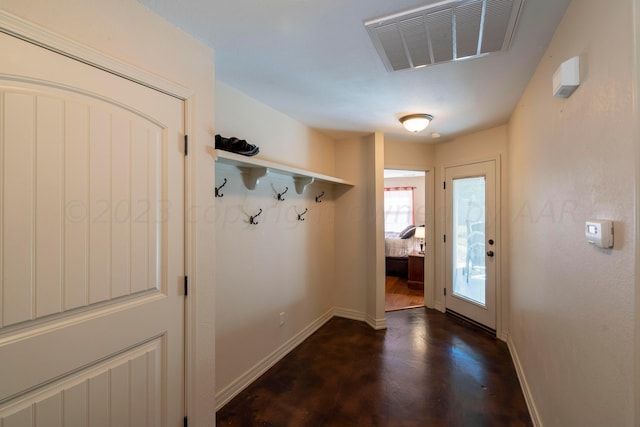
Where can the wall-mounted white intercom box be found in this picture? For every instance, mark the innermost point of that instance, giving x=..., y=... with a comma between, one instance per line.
x=566, y=79
x=599, y=233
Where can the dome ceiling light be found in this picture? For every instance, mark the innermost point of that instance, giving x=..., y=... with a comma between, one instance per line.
x=416, y=122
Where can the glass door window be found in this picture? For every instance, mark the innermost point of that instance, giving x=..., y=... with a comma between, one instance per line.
x=469, y=239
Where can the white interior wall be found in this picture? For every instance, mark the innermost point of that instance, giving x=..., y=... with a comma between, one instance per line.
x=572, y=305
x=375, y=232
x=129, y=32
x=408, y=155
x=280, y=138
x=636, y=94
x=359, y=232
x=351, y=211
x=280, y=265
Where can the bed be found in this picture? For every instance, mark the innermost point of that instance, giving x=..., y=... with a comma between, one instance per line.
x=397, y=247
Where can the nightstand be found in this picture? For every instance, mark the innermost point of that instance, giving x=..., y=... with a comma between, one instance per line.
x=416, y=271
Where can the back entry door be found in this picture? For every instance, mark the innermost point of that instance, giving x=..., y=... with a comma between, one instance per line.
x=471, y=241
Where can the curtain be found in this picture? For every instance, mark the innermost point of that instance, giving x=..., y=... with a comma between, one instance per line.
x=398, y=208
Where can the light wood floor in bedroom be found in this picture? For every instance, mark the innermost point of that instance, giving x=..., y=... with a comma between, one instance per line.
x=398, y=296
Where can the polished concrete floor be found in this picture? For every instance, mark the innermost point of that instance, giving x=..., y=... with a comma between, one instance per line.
x=426, y=369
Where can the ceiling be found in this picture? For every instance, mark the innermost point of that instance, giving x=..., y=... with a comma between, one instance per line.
x=313, y=60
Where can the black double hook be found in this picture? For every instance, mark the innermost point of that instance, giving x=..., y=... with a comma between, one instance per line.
x=300, y=215
x=282, y=194
x=252, y=219
x=318, y=197
x=218, y=194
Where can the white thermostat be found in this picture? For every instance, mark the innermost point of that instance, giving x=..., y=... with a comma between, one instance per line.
x=599, y=233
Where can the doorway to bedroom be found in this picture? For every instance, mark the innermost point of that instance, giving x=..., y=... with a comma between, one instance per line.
x=404, y=226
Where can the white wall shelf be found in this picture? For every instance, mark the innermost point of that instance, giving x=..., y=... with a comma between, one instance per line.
x=253, y=169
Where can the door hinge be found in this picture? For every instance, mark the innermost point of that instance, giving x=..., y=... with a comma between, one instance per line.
x=186, y=145
x=186, y=285
x=444, y=185
x=444, y=238
x=445, y=292
x=186, y=422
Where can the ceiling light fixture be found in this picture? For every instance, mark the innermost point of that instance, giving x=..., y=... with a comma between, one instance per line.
x=416, y=122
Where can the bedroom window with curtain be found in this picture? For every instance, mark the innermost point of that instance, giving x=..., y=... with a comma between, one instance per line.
x=398, y=208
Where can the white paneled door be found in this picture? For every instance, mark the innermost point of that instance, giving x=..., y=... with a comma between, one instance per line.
x=92, y=246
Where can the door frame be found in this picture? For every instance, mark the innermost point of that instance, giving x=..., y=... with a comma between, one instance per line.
x=196, y=375
x=429, y=238
x=500, y=247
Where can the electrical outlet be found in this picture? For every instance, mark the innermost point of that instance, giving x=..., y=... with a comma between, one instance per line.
x=282, y=318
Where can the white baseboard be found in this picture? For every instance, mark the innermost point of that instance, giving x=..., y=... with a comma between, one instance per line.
x=349, y=314
x=376, y=324
x=230, y=391
x=535, y=417
x=363, y=317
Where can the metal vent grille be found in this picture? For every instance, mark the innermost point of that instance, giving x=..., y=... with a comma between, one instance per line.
x=443, y=32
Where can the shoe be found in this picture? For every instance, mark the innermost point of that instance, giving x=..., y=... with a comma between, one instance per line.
x=235, y=145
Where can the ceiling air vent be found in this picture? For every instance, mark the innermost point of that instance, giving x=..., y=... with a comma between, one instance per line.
x=444, y=31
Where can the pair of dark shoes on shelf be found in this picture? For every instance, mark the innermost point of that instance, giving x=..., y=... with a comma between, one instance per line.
x=235, y=145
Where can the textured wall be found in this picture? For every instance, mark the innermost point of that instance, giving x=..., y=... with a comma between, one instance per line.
x=570, y=160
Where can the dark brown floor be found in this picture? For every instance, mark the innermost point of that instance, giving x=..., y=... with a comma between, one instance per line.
x=426, y=369
x=398, y=295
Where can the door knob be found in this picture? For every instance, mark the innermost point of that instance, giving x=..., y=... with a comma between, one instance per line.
x=490, y=253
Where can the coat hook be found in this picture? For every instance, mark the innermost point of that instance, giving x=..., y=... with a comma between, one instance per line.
x=318, y=197
x=301, y=214
x=218, y=194
x=282, y=194
x=252, y=219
